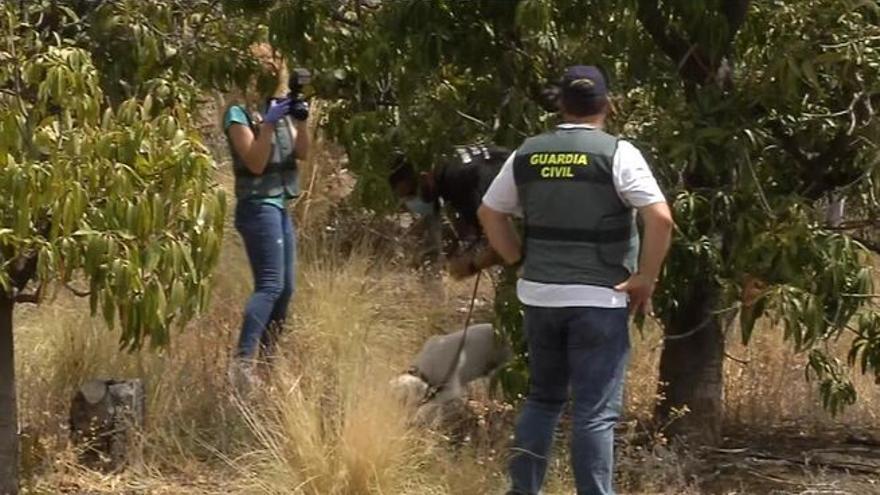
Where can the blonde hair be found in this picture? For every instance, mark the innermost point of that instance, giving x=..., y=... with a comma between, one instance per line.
x=272, y=61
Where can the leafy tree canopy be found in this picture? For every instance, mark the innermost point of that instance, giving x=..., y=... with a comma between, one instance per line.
x=757, y=115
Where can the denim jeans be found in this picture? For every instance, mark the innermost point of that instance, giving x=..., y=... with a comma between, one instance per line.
x=585, y=348
x=270, y=243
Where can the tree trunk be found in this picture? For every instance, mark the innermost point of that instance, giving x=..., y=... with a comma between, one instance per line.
x=691, y=369
x=8, y=419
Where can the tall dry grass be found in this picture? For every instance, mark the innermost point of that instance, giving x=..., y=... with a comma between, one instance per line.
x=324, y=423
x=329, y=425
x=764, y=385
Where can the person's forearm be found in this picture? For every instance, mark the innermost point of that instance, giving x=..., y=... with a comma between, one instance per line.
x=655, y=245
x=502, y=237
x=257, y=156
x=303, y=140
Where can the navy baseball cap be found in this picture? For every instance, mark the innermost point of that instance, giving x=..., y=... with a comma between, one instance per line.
x=584, y=86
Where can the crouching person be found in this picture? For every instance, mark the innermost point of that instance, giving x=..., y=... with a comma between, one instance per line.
x=455, y=186
x=264, y=153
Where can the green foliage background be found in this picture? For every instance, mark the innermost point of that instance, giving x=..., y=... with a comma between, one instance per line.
x=755, y=115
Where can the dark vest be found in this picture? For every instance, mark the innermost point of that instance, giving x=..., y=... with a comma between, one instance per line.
x=577, y=229
x=280, y=176
x=464, y=175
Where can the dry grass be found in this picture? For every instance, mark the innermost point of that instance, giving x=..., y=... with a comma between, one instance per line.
x=324, y=424
x=771, y=390
x=764, y=384
x=329, y=425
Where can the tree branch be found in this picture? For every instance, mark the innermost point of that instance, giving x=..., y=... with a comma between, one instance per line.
x=652, y=20
x=869, y=245
x=695, y=65
x=77, y=292
x=735, y=11
x=687, y=56
x=854, y=225
x=340, y=17
x=29, y=298
x=473, y=119
x=744, y=362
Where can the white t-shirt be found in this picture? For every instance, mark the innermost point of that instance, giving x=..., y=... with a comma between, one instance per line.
x=636, y=187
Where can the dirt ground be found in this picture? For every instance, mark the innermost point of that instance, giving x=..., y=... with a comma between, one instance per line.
x=788, y=461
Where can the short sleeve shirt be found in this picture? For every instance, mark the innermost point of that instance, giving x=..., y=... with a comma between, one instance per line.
x=237, y=115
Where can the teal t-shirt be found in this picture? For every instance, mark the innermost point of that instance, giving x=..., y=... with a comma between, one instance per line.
x=236, y=115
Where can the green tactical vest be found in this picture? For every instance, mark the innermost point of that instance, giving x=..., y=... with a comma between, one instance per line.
x=280, y=176
x=577, y=229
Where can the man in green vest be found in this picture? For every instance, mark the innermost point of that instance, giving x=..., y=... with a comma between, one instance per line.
x=578, y=190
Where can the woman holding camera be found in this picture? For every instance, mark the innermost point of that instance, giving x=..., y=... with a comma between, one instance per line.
x=264, y=156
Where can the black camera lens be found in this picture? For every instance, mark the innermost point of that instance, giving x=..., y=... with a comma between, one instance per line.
x=299, y=110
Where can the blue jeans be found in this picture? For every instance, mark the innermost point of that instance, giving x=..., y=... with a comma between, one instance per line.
x=270, y=243
x=586, y=348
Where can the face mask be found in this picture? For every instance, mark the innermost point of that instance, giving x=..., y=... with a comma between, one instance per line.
x=419, y=206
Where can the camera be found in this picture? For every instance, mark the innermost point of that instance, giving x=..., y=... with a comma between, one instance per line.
x=299, y=107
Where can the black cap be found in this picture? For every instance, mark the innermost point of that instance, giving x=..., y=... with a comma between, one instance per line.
x=583, y=88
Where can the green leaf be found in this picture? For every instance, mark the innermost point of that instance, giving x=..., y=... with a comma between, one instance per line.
x=109, y=310
x=5, y=282
x=178, y=295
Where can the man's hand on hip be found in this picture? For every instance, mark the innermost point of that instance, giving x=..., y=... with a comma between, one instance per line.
x=657, y=237
x=640, y=288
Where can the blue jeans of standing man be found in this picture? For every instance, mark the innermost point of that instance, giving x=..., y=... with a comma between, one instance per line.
x=270, y=243
x=586, y=348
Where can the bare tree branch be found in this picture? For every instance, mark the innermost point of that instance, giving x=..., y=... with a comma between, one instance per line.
x=854, y=225
x=870, y=245
x=652, y=20
x=473, y=119
x=340, y=17
x=28, y=298
x=77, y=292
x=744, y=362
x=687, y=56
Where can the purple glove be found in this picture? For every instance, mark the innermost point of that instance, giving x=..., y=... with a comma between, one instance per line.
x=277, y=109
